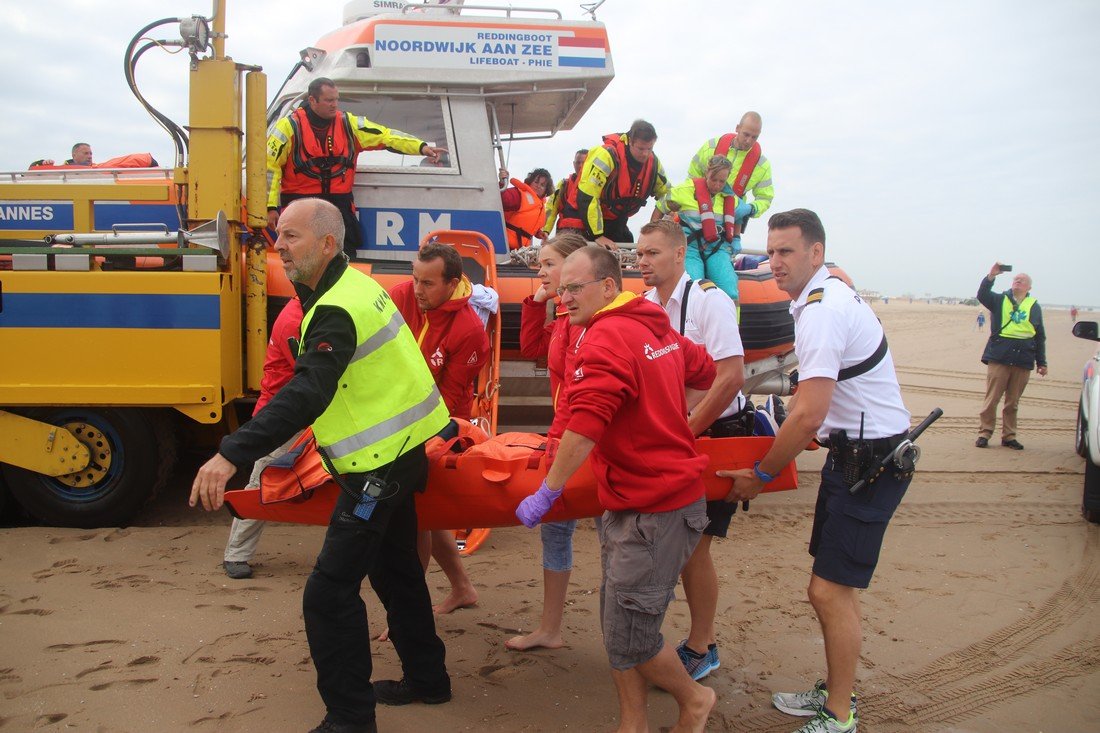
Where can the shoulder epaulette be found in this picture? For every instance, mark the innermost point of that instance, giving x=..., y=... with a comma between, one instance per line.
x=706, y=285
x=815, y=295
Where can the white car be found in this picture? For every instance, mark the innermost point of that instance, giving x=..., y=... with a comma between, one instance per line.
x=1088, y=424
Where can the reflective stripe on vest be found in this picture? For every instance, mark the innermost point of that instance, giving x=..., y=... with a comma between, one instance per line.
x=748, y=165
x=528, y=219
x=706, y=213
x=320, y=166
x=624, y=197
x=1016, y=321
x=386, y=401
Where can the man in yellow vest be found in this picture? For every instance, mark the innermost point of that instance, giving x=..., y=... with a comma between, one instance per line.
x=617, y=180
x=751, y=172
x=1017, y=344
x=363, y=386
x=311, y=153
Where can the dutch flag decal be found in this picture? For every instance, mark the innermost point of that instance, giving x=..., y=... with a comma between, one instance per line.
x=581, y=52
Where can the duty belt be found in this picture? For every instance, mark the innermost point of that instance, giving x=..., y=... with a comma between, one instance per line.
x=879, y=446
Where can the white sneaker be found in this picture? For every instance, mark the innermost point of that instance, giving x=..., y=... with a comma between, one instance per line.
x=825, y=723
x=805, y=704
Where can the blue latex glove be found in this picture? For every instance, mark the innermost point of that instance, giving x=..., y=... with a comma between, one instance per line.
x=532, y=509
x=743, y=210
x=735, y=245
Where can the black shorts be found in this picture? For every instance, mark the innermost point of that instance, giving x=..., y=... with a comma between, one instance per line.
x=848, y=530
x=719, y=512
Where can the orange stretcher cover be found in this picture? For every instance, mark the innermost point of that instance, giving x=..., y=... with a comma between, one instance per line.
x=484, y=491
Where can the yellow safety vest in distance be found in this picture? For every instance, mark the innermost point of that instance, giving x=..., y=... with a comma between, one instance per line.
x=386, y=395
x=1016, y=324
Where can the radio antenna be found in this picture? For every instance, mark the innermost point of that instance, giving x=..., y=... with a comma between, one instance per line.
x=591, y=8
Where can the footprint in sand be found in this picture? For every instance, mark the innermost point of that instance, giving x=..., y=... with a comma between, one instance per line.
x=129, y=683
x=72, y=538
x=66, y=647
x=141, y=661
x=50, y=718
x=61, y=566
x=101, y=667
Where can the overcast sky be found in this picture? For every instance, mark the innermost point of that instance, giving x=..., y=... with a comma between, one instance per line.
x=933, y=138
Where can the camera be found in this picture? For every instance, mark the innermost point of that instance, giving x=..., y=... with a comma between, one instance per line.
x=1006, y=268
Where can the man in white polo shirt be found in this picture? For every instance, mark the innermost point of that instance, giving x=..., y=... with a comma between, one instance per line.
x=846, y=383
x=702, y=312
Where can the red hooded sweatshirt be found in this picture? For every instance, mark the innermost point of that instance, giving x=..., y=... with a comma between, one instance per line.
x=556, y=341
x=627, y=394
x=452, y=339
x=279, y=361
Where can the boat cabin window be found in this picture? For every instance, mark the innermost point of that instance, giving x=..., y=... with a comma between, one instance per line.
x=422, y=117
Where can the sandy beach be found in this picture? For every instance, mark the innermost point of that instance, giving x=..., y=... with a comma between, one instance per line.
x=982, y=616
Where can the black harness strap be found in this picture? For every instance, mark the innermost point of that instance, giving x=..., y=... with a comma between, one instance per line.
x=867, y=364
x=684, y=306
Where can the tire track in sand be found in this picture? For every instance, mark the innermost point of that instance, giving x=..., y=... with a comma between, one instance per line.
x=961, y=684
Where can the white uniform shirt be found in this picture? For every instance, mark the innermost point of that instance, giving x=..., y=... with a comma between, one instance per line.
x=711, y=322
x=840, y=331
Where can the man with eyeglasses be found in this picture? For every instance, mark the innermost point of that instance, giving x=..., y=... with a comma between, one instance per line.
x=628, y=410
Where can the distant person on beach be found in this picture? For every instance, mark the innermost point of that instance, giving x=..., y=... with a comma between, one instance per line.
x=628, y=410
x=981, y=321
x=1073, y=314
x=1017, y=344
x=847, y=383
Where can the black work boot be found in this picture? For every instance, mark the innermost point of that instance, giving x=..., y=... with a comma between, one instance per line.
x=400, y=692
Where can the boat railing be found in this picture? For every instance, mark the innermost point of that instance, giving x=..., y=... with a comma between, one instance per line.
x=85, y=175
x=508, y=10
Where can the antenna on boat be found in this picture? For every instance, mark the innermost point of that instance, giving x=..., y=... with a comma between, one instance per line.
x=591, y=8
x=511, y=137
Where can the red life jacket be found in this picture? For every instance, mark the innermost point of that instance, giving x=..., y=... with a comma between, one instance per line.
x=569, y=216
x=320, y=166
x=624, y=197
x=706, y=213
x=748, y=165
x=527, y=219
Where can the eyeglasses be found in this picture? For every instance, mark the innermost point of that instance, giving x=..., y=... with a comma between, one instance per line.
x=575, y=288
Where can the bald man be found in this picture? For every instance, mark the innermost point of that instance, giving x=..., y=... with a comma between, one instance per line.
x=1017, y=344
x=751, y=172
x=371, y=418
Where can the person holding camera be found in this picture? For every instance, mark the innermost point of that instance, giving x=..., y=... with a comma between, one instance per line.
x=1017, y=344
x=849, y=400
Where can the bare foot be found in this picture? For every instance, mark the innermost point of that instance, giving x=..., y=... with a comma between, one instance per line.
x=455, y=600
x=384, y=636
x=693, y=716
x=534, y=640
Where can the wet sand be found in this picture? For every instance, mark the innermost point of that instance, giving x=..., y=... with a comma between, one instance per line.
x=982, y=616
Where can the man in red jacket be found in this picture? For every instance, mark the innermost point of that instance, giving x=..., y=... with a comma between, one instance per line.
x=629, y=411
x=436, y=306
